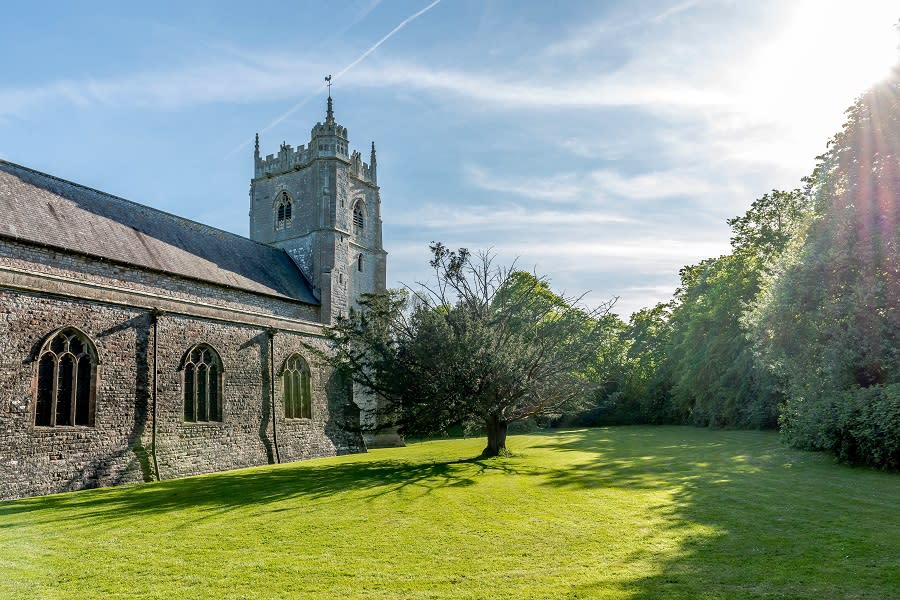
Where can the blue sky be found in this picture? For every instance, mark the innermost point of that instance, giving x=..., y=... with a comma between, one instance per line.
x=602, y=144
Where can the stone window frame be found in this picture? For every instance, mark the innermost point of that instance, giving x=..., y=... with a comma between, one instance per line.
x=296, y=387
x=49, y=382
x=199, y=365
x=358, y=217
x=283, y=210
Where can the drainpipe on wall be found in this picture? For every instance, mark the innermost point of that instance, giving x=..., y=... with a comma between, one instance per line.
x=272, y=333
x=154, y=318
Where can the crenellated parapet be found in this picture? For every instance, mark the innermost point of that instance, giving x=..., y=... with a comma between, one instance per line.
x=287, y=159
x=321, y=146
x=360, y=169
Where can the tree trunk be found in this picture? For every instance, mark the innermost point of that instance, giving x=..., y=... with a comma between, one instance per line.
x=496, y=435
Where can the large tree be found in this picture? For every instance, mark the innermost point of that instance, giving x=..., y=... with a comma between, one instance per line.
x=482, y=344
x=830, y=324
x=715, y=377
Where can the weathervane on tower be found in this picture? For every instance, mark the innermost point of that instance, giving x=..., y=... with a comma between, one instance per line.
x=329, y=115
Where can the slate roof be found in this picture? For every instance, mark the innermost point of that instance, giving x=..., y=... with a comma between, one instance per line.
x=42, y=209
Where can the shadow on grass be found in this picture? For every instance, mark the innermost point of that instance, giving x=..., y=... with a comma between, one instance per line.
x=235, y=489
x=747, y=518
x=754, y=519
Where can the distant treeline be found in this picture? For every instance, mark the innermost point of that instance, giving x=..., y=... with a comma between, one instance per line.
x=797, y=328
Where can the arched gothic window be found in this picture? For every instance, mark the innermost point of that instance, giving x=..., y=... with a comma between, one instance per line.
x=66, y=380
x=359, y=218
x=202, y=384
x=359, y=263
x=283, y=211
x=296, y=388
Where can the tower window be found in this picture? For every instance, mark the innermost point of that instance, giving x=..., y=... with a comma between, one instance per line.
x=359, y=262
x=359, y=219
x=66, y=380
x=202, y=384
x=296, y=388
x=283, y=211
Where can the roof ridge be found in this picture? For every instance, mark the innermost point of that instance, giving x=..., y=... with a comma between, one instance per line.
x=137, y=204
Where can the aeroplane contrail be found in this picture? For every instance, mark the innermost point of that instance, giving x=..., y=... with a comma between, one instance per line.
x=318, y=90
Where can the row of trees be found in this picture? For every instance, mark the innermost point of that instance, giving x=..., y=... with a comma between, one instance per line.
x=693, y=359
x=797, y=327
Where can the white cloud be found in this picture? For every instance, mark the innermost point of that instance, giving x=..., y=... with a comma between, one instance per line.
x=654, y=185
x=233, y=80
x=616, y=89
x=239, y=81
x=555, y=188
x=598, y=185
x=644, y=254
x=473, y=216
x=592, y=148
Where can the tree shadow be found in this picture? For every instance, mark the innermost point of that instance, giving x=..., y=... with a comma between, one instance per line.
x=127, y=453
x=258, y=486
x=754, y=519
x=737, y=515
x=261, y=342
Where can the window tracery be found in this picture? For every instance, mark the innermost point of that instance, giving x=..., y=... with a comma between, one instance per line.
x=202, y=384
x=66, y=380
x=359, y=218
x=283, y=211
x=296, y=388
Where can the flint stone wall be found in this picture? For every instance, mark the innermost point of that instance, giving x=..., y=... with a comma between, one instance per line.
x=42, y=290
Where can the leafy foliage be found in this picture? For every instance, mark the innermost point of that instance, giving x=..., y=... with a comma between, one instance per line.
x=690, y=360
x=484, y=344
x=830, y=325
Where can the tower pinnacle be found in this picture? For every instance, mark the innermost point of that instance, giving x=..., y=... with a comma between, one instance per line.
x=329, y=115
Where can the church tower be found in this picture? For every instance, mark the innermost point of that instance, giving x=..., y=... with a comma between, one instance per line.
x=321, y=204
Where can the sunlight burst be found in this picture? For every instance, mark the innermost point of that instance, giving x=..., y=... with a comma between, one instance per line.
x=824, y=55
x=857, y=41
x=838, y=48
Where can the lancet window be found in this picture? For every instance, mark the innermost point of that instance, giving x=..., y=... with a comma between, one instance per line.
x=202, y=370
x=283, y=211
x=66, y=380
x=296, y=388
x=359, y=218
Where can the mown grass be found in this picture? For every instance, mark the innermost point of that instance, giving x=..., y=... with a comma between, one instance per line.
x=632, y=512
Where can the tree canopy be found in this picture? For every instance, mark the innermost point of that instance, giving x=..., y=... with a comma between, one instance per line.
x=829, y=326
x=483, y=344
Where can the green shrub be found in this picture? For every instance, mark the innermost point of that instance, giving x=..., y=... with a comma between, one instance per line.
x=860, y=425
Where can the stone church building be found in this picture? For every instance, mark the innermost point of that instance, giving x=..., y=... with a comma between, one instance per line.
x=137, y=345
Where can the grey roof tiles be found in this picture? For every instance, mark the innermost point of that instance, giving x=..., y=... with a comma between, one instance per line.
x=42, y=209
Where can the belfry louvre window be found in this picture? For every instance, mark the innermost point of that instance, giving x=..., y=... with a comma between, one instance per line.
x=296, y=388
x=359, y=219
x=66, y=380
x=202, y=384
x=283, y=211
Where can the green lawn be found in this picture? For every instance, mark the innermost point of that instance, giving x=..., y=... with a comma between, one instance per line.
x=630, y=512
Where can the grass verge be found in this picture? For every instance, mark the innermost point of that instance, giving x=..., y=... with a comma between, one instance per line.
x=630, y=512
